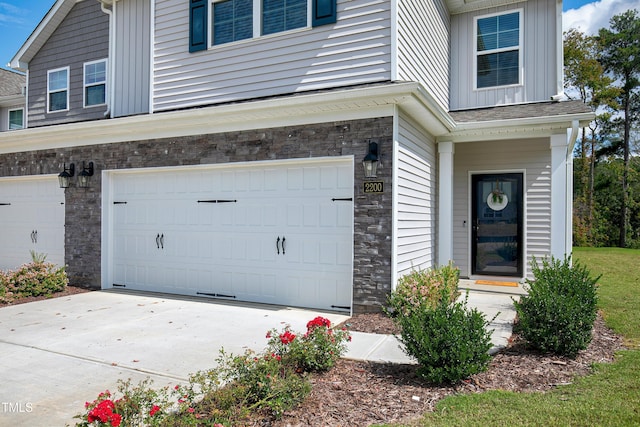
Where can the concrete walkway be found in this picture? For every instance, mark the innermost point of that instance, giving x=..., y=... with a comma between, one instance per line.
x=57, y=354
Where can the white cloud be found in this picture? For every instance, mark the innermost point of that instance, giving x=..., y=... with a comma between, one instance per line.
x=593, y=16
x=11, y=14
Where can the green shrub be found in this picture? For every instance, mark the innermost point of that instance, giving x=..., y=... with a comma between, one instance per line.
x=424, y=289
x=558, y=313
x=265, y=382
x=449, y=341
x=317, y=350
x=138, y=406
x=32, y=279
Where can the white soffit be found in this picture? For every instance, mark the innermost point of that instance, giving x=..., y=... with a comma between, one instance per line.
x=463, y=6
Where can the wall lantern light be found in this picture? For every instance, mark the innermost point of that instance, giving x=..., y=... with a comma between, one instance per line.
x=370, y=161
x=64, y=178
x=85, y=174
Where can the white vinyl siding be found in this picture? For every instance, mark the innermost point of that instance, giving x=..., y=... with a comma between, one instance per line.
x=416, y=208
x=355, y=50
x=423, y=46
x=538, y=58
x=532, y=157
x=58, y=90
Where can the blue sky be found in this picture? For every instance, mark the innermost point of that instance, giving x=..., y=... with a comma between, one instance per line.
x=18, y=18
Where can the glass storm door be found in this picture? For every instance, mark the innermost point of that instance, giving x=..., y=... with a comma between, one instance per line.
x=497, y=211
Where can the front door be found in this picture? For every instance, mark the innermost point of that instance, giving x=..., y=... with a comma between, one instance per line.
x=497, y=211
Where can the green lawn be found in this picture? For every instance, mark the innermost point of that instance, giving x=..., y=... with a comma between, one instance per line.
x=619, y=290
x=609, y=397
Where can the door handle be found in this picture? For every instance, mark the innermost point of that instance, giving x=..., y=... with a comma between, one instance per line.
x=278, y=246
x=162, y=241
x=283, y=239
x=158, y=240
x=34, y=236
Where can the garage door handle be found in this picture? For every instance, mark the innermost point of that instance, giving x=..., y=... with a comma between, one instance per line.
x=278, y=245
x=283, y=239
x=158, y=240
x=162, y=241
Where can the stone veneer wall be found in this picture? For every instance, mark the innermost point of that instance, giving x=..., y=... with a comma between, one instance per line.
x=372, y=212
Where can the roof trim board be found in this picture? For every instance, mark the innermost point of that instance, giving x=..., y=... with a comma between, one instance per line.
x=336, y=105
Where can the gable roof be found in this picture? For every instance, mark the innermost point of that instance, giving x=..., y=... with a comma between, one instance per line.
x=41, y=34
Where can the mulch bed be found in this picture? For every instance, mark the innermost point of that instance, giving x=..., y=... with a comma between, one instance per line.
x=69, y=290
x=360, y=393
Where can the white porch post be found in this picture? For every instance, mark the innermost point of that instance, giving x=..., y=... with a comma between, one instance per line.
x=445, y=202
x=560, y=199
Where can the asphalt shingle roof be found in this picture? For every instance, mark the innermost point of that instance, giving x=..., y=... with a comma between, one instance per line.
x=521, y=111
x=11, y=83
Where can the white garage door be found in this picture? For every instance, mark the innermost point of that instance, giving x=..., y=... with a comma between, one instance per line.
x=279, y=233
x=31, y=219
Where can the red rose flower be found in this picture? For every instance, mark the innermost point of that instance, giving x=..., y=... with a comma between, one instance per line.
x=154, y=410
x=287, y=337
x=317, y=322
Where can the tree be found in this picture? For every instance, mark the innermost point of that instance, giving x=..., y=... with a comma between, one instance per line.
x=620, y=56
x=585, y=74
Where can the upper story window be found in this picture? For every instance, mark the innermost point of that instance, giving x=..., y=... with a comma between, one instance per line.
x=233, y=20
x=58, y=90
x=95, y=83
x=16, y=119
x=283, y=15
x=498, y=49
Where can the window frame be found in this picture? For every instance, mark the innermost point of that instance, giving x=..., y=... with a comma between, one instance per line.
x=519, y=48
x=85, y=85
x=11, y=110
x=50, y=92
x=257, y=28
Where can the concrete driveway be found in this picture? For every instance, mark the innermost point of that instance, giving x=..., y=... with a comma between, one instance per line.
x=57, y=354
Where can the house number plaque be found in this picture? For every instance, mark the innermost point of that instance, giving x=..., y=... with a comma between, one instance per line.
x=373, y=187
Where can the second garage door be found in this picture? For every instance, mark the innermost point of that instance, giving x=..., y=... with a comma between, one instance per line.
x=278, y=233
x=31, y=219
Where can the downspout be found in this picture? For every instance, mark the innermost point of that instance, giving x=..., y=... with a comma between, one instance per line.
x=573, y=136
x=111, y=61
x=559, y=54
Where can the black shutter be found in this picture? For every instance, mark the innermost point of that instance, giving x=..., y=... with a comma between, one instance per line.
x=324, y=12
x=197, y=25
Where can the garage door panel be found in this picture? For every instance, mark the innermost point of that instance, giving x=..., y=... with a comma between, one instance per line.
x=232, y=249
x=32, y=216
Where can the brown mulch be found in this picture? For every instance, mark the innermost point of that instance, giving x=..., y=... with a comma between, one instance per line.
x=360, y=393
x=69, y=290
